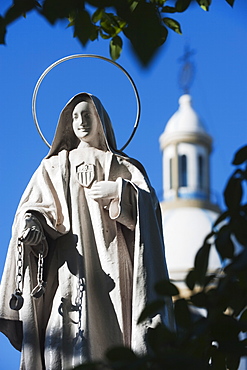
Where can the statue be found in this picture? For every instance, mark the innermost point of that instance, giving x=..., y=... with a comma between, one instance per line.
x=88, y=242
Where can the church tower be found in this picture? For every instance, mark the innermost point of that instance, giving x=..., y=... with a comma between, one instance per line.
x=188, y=212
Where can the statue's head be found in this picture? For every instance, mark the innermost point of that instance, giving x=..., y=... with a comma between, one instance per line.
x=85, y=120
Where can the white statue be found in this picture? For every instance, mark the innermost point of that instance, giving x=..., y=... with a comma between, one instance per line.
x=90, y=228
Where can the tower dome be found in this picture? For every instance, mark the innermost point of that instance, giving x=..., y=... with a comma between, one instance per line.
x=185, y=120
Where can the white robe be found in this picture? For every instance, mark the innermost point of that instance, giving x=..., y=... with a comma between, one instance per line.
x=102, y=263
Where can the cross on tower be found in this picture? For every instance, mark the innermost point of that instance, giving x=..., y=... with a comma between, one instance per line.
x=187, y=72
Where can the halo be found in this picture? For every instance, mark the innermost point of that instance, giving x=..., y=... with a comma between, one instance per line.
x=75, y=56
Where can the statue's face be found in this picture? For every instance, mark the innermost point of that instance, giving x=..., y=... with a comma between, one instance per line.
x=84, y=122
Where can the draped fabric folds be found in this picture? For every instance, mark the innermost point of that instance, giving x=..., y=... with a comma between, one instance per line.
x=103, y=257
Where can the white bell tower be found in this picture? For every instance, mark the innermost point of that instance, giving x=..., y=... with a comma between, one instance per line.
x=188, y=212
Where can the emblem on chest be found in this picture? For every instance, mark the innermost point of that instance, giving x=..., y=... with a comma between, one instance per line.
x=85, y=174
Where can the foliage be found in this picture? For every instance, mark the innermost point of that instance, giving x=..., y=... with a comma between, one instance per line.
x=210, y=322
x=143, y=22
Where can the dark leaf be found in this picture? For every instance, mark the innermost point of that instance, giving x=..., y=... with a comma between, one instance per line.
x=166, y=288
x=94, y=33
x=19, y=8
x=233, y=361
x=103, y=3
x=239, y=229
x=116, y=45
x=236, y=297
x=223, y=243
x=163, y=35
x=98, y=15
x=209, y=236
x=123, y=354
x=243, y=320
x=242, y=276
x=121, y=23
x=182, y=313
x=159, y=2
x=151, y=310
x=233, y=193
x=112, y=19
x=241, y=156
x=2, y=30
x=201, y=263
x=239, y=263
x=145, y=31
x=71, y=24
x=71, y=19
x=191, y=279
x=168, y=9
x=182, y=5
x=221, y=218
x=225, y=328
x=204, y=4
x=111, y=24
x=199, y=300
x=159, y=337
x=230, y=2
x=83, y=27
x=174, y=25
x=103, y=35
x=125, y=9
x=216, y=301
x=59, y=9
x=107, y=27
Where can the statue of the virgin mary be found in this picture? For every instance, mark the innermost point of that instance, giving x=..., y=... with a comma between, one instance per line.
x=90, y=224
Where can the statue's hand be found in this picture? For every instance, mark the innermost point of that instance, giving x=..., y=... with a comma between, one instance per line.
x=104, y=190
x=32, y=233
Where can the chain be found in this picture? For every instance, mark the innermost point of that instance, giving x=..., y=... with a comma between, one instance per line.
x=16, y=300
x=19, y=267
x=39, y=290
x=40, y=269
x=78, y=300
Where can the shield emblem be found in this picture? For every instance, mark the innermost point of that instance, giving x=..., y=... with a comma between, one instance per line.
x=85, y=174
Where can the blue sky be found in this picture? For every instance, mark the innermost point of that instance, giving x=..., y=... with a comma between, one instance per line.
x=219, y=94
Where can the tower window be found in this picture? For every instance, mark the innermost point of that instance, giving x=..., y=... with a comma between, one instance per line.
x=170, y=173
x=200, y=171
x=183, y=177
